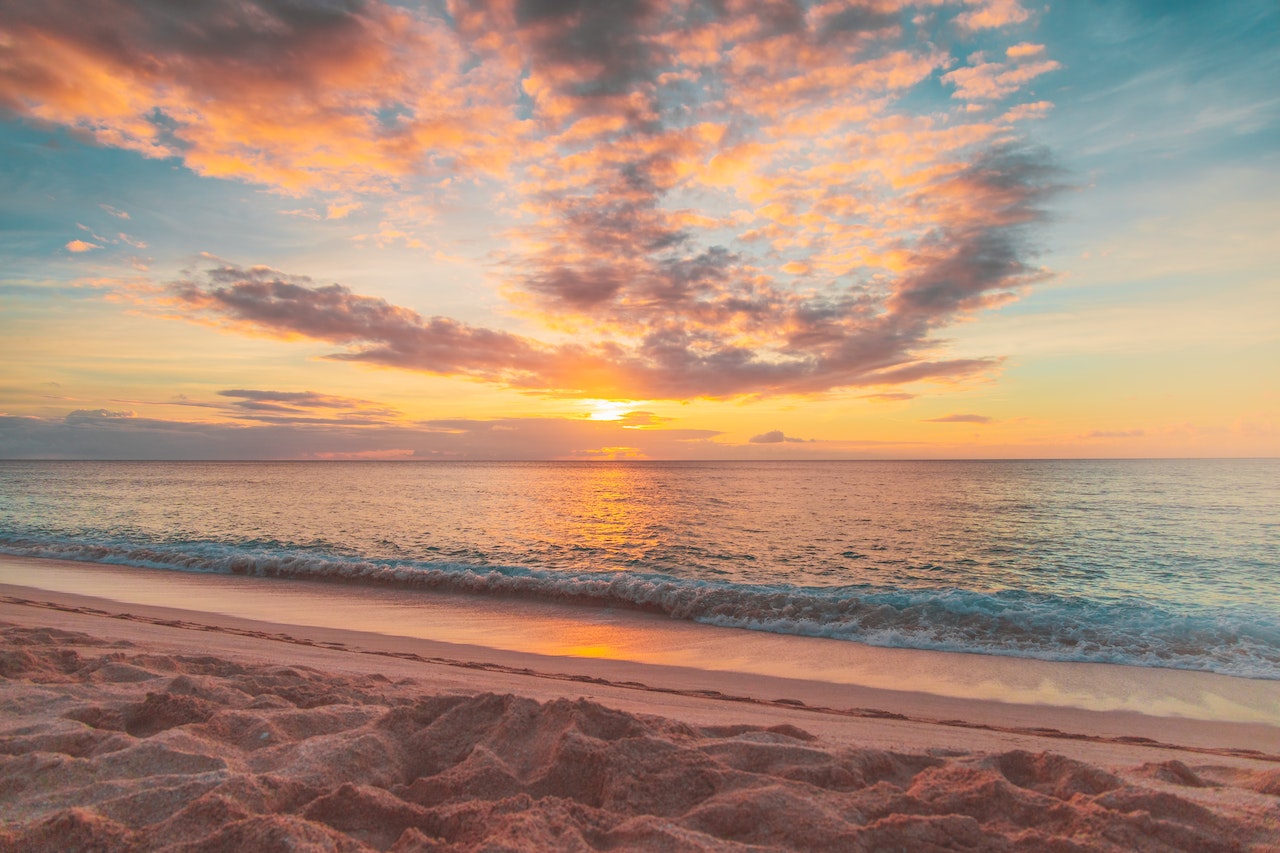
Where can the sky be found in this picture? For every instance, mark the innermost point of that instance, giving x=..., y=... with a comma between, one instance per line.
x=639, y=229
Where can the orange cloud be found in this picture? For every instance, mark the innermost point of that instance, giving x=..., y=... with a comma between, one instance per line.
x=992, y=14
x=713, y=199
x=1023, y=112
x=272, y=92
x=81, y=246
x=1024, y=50
x=341, y=211
x=989, y=81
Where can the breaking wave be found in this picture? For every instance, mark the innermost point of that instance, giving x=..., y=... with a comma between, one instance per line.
x=1000, y=622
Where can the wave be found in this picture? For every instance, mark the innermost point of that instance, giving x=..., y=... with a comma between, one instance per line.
x=1002, y=622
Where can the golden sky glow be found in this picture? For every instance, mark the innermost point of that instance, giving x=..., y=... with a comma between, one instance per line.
x=643, y=229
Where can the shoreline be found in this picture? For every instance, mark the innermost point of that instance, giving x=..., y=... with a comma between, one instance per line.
x=587, y=639
x=134, y=727
x=632, y=684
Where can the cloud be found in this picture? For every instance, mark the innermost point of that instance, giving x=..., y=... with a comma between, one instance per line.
x=300, y=399
x=94, y=435
x=642, y=420
x=775, y=437
x=289, y=94
x=960, y=419
x=80, y=416
x=1023, y=50
x=992, y=14
x=118, y=214
x=688, y=330
x=386, y=454
x=711, y=199
x=990, y=81
x=375, y=330
x=299, y=407
x=1022, y=112
x=1124, y=433
x=341, y=211
x=78, y=246
x=694, y=326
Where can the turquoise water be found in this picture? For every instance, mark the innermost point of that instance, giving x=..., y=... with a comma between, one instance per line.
x=1149, y=563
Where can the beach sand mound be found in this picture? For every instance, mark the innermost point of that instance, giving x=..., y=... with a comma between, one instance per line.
x=110, y=749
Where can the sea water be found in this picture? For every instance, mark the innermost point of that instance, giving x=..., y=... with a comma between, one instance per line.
x=1155, y=563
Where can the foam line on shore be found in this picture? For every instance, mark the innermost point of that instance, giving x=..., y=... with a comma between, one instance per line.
x=1128, y=729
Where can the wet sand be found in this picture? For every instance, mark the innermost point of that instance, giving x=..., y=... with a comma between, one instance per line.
x=131, y=727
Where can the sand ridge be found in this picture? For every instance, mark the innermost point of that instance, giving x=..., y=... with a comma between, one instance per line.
x=111, y=745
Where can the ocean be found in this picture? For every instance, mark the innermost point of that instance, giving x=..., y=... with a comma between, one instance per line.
x=1148, y=563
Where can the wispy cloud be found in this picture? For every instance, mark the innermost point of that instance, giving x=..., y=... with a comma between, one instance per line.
x=300, y=407
x=342, y=211
x=1115, y=433
x=989, y=81
x=960, y=419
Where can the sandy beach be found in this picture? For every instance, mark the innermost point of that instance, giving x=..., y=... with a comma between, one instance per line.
x=130, y=727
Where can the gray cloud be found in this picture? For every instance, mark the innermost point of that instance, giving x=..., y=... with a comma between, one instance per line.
x=374, y=330
x=607, y=38
x=776, y=437
x=89, y=436
x=80, y=416
x=675, y=359
x=298, y=407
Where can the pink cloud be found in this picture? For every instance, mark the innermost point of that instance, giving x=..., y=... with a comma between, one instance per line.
x=79, y=246
x=341, y=211
x=992, y=14
x=697, y=326
x=292, y=96
x=989, y=81
x=716, y=199
x=960, y=419
x=1024, y=50
x=1023, y=112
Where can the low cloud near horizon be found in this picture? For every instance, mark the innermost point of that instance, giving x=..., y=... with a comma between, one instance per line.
x=106, y=434
x=776, y=437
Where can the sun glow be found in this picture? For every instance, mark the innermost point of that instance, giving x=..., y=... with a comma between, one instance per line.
x=609, y=410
